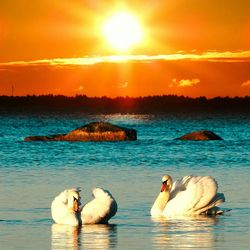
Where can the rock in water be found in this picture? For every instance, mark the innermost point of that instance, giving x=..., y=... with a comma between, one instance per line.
x=95, y=131
x=58, y=137
x=201, y=135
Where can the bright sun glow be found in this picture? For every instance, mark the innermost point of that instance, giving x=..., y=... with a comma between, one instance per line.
x=122, y=31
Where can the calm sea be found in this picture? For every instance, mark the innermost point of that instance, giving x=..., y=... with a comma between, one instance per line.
x=33, y=173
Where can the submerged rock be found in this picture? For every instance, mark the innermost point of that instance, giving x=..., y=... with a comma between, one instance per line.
x=201, y=135
x=95, y=131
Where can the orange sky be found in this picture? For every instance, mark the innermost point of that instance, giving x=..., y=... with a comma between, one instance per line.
x=204, y=48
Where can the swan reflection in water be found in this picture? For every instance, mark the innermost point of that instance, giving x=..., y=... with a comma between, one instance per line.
x=65, y=236
x=97, y=236
x=183, y=232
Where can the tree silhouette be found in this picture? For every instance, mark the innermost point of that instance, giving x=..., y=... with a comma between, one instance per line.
x=148, y=104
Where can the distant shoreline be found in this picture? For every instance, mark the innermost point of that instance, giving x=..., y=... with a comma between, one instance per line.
x=148, y=105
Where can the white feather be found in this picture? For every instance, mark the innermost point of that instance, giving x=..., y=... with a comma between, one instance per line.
x=100, y=209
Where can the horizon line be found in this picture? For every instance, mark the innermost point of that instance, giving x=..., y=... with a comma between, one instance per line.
x=124, y=97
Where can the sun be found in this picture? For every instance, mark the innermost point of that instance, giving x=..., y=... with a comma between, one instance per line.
x=122, y=31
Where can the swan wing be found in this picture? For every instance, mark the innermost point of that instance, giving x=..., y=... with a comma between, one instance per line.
x=208, y=188
x=191, y=194
x=100, y=209
x=179, y=185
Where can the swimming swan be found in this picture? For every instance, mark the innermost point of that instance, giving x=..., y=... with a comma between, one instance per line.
x=65, y=208
x=191, y=195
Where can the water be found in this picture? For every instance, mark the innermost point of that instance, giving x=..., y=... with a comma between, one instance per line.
x=33, y=173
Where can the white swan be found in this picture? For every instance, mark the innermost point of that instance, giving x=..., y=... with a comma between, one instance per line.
x=191, y=195
x=65, y=208
x=100, y=209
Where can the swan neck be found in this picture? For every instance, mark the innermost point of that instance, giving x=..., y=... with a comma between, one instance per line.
x=160, y=203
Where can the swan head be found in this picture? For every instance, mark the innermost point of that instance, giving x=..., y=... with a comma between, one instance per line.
x=74, y=200
x=166, y=183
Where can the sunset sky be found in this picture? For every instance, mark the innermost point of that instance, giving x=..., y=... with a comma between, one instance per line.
x=125, y=48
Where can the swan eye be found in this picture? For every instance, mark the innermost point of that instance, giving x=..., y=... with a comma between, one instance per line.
x=164, y=182
x=75, y=199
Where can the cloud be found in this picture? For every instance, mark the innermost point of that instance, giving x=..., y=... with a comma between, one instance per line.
x=245, y=84
x=184, y=82
x=80, y=88
x=214, y=56
x=188, y=83
x=123, y=85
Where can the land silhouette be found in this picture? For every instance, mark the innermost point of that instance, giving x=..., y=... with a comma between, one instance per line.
x=148, y=104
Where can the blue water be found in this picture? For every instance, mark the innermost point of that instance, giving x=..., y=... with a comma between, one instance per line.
x=33, y=173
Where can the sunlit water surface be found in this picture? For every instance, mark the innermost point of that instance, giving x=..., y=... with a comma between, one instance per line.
x=33, y=173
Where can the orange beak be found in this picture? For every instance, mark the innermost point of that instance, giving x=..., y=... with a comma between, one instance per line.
x=76, y=206
x=163, y=187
